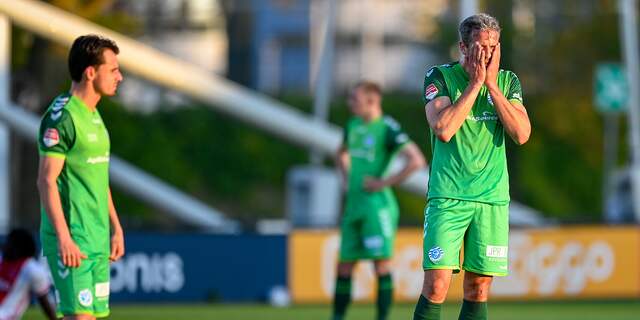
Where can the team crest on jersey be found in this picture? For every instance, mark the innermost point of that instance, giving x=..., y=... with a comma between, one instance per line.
x=430, y=92
x=435, y=254
x=51, y=137
x=85, y=297
x=369, y=141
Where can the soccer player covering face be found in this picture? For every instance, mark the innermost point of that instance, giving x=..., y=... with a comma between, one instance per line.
x=370, y=217
x=470, y=105
x=80, y=230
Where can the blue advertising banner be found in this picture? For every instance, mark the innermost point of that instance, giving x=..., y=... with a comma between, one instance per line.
x=199, y=267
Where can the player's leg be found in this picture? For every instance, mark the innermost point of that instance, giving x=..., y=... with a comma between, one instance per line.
x=445, y=224
x=485, y=256
x=385, y=288
x=434, y=291
x=379, y=233
x=350, y=251
x=476, y=293
x=74, y=289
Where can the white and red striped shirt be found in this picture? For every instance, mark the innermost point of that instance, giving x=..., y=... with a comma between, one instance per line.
x=18, y=280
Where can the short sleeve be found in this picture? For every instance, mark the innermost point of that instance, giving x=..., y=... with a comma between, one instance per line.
x=434, y=85
x=515, y=89
x=395, y=136
x=38, y=279
x=57, y=133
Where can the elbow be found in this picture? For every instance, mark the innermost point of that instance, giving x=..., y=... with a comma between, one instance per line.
x=43, y=183
x=443, y=132
x=522, y=138
x=444, y=136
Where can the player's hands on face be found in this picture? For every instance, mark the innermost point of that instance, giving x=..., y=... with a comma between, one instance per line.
x=373, y=184
x=477, y=64
x=494, y=66
x=70, y=253
x=117, y=246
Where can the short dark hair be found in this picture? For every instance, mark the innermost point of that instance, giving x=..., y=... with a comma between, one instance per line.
x=369, y=87
x=18, y=245
x=86, y=51
x=476, y=22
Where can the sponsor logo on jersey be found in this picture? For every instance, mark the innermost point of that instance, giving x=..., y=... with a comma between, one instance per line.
x=51, y=137
x=85, y=298
x=99, y=159
x=486, y=116
x=497, y=251
x=435, y=254
x=430, y=92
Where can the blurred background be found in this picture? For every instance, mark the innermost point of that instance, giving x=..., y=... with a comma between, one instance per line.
x=224, y=129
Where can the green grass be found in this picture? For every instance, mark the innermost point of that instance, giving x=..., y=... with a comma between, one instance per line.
x=583, y=310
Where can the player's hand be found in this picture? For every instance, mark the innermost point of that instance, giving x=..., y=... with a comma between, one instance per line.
x=70, y=253
x=477, y=65
x=117, y=246
x=373, y=184
x=494, y=67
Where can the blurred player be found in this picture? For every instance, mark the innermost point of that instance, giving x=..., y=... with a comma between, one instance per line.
x=73, y=180
x=21, y=276
x=370, y=218
x=469, y=107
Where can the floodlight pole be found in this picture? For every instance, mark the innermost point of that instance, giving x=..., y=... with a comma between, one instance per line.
x=5, y=173
x=323, y=71
x=629, y=36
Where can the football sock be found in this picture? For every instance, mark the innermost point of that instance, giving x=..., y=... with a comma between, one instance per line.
x=342, y=297
x=385, y=296
x=473, y=310
x=427, y=310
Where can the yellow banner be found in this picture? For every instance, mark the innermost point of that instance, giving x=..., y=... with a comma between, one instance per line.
x=543, y=264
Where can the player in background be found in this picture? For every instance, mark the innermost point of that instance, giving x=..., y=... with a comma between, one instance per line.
x=21, y=277
x=80, y=230
x=370, y=219
x=470, y=105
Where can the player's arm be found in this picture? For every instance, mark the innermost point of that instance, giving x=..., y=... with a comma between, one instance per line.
x=48, y=172
x=342, y=158
x=445, y=117
x=56, y=138
x=117, y=238
x=413, y=160
x=397, y=141
x=511, y=112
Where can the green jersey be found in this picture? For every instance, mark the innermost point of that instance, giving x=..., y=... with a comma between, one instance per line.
x=69, y=130
x=472, y=166
x=371, y=147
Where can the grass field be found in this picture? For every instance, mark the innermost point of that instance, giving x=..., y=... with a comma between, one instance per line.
x=584, y=310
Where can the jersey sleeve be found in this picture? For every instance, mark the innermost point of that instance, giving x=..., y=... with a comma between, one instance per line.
x=395, y=137
x=38, y=279
x=515, y=89
x=57, y=134
x=434, y=85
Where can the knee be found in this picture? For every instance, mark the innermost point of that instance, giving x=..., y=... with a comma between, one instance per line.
x=436, y=290
x=345, y=269
x=383, y=267
x=477, y=289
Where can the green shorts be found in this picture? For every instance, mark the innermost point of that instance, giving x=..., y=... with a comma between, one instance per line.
x=82, y=290
x=368, y=236
x=484, y=229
